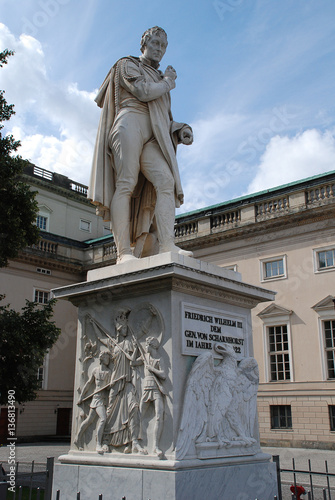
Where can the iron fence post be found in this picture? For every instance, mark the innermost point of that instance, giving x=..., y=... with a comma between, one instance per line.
x=276, y=460
x=49, y=478
x=31, y=479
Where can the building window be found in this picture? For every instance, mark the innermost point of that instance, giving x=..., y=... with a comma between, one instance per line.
x=40, y=376
x=43, y=217
x=325, y=259
x=279, y=353
x=326, y=321
x=42, y=373
x=233, y=267
x=41, y=270
x=332, y=417
x=277, y=343
x=42, y=222
x=41, y=297
x=85, y=225
x=329, y=336
x=274, y=268
x=281, y=417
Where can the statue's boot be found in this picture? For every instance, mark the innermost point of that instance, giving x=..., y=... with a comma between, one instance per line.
x=120, y=227
x=165, y=218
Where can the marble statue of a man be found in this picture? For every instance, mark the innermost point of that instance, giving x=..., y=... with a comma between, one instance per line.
x=135, y=180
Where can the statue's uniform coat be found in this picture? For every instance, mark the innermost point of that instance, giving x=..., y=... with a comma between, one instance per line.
x=148, y=87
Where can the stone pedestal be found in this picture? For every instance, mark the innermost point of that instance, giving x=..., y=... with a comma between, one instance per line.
x=196, y=319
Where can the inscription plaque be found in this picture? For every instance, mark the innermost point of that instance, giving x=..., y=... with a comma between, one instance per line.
x=202, y=328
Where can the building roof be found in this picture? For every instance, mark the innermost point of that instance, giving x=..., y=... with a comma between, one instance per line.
x=252, y=198
x=52, y=180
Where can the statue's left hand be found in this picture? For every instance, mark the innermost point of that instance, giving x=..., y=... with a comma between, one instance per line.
x=186, y=136
x=181, y=198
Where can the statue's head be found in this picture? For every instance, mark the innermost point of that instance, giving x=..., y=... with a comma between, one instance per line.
x=149, y=33
x=152, y=342
x=104, y=357
x=154, y=43
x=121, y=321
x=249, y=367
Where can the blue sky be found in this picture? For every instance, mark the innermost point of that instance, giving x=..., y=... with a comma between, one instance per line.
x=255, y=81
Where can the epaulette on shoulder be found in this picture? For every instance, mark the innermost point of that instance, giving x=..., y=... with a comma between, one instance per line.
x=134, y=59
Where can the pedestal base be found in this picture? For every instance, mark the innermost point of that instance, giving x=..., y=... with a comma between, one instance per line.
x=244, y=479
x=178, y=336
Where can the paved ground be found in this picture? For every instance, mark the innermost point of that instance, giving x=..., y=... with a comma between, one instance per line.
x=40, y=451
x=301, y=456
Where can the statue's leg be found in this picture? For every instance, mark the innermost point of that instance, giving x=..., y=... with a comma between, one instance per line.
x=84, y=425
x=156, y=169
x=159, y=415
x=134, y=423
x=126, y=141
x=143, y=408
x=101, y=411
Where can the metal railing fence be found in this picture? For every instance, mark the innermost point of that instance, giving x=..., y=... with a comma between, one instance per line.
x=32, y=480
x=307, y=479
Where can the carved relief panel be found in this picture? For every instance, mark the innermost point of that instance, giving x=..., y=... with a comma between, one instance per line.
x=122, y=377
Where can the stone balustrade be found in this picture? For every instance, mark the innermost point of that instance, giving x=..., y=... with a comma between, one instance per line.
x=186, y=229
x=46, y=246
x=225, y=220
x=79, y=188
x=109, y=250
x=270, y=207
x=211, y=220
x=320, y=193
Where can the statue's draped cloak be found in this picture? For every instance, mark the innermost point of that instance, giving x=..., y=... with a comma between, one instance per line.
x=122, y=405
x=165, y=130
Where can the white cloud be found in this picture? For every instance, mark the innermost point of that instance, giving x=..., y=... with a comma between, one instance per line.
x=213, y=136
x=225, y=152
x=204, y=163
x=55, y=121
x=289, y=159
x=217, y=167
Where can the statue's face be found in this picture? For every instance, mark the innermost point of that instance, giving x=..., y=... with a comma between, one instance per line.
x=105, y=359
x=123, y=331
x=155, y=48
x=148, y=348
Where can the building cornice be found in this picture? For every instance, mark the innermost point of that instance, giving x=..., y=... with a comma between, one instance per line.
x=273, y=225
x=45, y=260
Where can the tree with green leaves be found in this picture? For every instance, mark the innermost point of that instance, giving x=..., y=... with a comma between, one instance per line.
x=18, y=207
x=24, y=340
x=26, y=336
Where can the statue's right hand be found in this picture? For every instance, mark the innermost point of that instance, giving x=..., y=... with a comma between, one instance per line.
x=170, y=72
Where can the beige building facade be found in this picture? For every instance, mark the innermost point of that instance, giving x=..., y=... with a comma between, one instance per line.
x=66, y=219
x=282, y=239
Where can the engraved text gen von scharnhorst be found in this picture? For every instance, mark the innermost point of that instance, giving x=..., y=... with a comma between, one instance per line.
x=204, y=340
